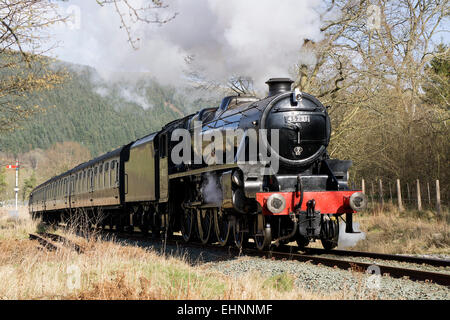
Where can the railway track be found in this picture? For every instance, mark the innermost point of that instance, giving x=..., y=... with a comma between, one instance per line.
x=381, y=256
x=47, y=241
x=395, y=272
x=311, y=255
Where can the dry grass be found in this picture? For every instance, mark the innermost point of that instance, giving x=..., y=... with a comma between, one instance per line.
x=110, y=270
x=411, y=232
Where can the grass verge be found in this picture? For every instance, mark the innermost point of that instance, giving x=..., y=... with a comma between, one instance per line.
x=112, y=270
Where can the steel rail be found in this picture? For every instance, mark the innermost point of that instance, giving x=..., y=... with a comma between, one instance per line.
x=394, y=272
x=382, y=256
x=64, y=241
x=43, y=242
x=358, y=266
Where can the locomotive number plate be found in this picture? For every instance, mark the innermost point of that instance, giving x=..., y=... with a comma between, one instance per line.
x=296, y=118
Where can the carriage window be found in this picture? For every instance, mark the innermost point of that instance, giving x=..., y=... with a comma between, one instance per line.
x=107, y=166
x=101, y=168
x=113, y=164
x=95, y=170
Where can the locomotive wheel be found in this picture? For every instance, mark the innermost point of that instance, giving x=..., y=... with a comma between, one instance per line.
x=240, y=236
x=222, y=227
x=187, y=225
x=204, y=224
x=263, y=238
x=330, y=234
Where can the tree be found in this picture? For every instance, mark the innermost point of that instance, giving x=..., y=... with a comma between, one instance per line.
x=62, y=157
x=28, y=186
x=437, y=88
x=131, y=14
x=370, y=67
x=23, y=70
x=25, y=38
x=2, y=180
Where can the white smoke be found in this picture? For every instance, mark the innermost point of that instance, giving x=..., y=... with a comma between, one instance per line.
x=348, y=240
x=128, y=91
x=137, y=96
x=255, y=38
x=212, y=194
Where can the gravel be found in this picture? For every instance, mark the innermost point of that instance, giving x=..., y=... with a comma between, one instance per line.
x=392, y=263
x=326, y=280
x=314, y=278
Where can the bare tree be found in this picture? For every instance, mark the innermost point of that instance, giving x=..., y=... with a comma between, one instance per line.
x=153, y=11
x=370, y=67
x=241, y=85
x=25, y=38
x=23, y=41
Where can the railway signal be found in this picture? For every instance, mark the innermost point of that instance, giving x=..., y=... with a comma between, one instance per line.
x=16, y=189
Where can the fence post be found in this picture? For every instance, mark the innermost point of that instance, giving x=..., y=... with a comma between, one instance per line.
x=372, y=192
x=419, y=199
x=409, y=194
x=381, y=193
x=429, y=194
x=390, y=192
x=438, y=198
x=363, y=186
x=399, y=196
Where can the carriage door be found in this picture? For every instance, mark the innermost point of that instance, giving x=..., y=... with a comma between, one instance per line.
x=163, y=169
x=71, y=191
x=66, y=187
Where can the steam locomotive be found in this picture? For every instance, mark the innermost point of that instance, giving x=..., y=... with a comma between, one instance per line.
x=223, y=190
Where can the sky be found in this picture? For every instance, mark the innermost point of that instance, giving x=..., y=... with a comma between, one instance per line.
x=256, y=38
x=253, y=38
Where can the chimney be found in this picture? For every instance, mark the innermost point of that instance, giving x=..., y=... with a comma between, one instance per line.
x=279, y=85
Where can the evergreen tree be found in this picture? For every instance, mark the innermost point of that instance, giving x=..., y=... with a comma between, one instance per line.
x=28, y=185
x=437, y=89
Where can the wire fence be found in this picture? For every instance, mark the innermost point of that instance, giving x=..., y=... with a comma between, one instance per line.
x=411, y=195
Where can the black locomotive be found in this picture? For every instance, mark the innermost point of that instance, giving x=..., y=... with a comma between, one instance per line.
x=223, y=190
